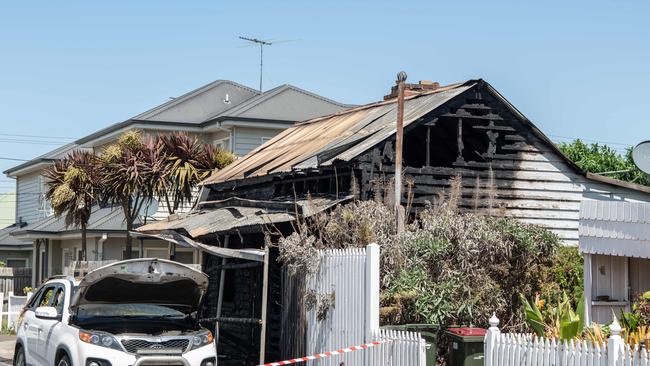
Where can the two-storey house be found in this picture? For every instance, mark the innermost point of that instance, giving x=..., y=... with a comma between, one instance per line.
x=224, y=113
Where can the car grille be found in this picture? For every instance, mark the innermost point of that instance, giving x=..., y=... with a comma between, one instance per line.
x=134, y=345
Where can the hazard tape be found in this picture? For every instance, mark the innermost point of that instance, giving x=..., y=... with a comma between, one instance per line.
x=326, y=354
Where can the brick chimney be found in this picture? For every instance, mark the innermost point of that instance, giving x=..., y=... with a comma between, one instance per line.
x=412, y=89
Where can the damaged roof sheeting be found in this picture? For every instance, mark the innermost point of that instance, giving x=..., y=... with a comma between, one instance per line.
x=340, y=136
x=615, y=228
x=250, y=254
x=243, y=215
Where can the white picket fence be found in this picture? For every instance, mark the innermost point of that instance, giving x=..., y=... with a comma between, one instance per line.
x=349, y=278
x=401, y=348
x=15, y=305
x=505, y=349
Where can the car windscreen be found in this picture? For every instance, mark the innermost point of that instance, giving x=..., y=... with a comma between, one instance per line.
x=95, y=311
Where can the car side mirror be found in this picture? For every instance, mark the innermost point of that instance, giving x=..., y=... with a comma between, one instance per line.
x=46, y=312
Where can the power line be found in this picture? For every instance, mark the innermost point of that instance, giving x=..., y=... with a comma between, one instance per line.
x=38, y=136
x=591, y=140
x=13, y=159
x=32, y=142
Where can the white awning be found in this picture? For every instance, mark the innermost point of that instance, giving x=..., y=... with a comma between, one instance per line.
x=615, y=228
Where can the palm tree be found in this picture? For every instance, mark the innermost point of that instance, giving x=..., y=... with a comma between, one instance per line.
x=73, y=186
x=133, y=170
x=188, y=162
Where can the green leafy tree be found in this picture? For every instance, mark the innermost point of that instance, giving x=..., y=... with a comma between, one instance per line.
x=187, y=162
x=73, y=186
x=133, y=170
x=596, y=158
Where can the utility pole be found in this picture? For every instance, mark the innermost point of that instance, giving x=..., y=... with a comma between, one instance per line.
x=262, y=43
x=399, y=133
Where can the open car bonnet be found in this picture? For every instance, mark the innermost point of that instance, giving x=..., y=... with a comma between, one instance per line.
x=143, y=281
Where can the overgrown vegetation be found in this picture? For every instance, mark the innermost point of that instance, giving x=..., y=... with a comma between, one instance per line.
x=450, y=266
x=596, y=158
x=636, y=324
x=555, y=321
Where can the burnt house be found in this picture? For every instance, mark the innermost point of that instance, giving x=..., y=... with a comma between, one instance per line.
x=467, y=129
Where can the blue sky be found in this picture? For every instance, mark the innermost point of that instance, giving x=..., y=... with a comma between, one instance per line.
x=577, y=69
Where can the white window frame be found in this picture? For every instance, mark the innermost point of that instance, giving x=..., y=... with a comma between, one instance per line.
x=224, y=142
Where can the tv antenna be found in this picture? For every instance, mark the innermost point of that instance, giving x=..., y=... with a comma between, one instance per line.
x=262, y=43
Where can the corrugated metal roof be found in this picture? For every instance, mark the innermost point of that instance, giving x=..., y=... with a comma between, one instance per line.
x=339, y=136
x=241, y=214
x=7, y=240
x=615, y=228
x=101, y=219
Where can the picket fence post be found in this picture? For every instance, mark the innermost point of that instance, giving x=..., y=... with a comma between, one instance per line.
x=491, y=338
x=372, y=290
x=615, y=344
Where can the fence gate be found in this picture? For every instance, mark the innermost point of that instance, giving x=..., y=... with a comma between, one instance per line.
x=338, y=307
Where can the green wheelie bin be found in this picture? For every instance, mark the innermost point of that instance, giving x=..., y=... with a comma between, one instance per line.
x=465, y=346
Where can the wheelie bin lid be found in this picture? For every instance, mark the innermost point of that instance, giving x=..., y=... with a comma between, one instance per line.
x=467, y=334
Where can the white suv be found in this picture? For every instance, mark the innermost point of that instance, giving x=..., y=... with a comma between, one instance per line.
x=135, y=312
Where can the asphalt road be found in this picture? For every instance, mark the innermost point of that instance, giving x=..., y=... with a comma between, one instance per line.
x=7, y=349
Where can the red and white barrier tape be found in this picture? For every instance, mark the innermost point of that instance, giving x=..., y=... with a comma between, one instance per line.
x=325, y=354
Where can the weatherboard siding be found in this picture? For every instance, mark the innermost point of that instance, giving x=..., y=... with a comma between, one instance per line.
x=29, y=190
x=247, y=139
x=539, y=188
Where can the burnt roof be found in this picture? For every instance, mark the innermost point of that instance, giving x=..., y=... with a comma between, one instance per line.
x=343, y=136
x=339, y=136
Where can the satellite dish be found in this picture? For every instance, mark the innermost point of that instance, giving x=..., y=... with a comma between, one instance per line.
x=641, y=156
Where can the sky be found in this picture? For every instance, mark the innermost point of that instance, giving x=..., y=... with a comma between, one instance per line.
x=67, y=69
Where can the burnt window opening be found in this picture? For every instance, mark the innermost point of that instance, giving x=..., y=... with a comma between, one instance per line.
x=475, y=141
x=454, y=140
x=442, y=144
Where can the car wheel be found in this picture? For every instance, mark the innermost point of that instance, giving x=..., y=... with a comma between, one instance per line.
x=64, y=361
x=19, y=357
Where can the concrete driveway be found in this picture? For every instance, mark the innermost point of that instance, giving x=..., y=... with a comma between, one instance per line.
x=7, y=349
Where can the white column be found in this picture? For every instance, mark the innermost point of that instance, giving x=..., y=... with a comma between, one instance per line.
x=587, y=288
x=491, y=338
x=615, y=343
x=35, y=254
x=372, y=290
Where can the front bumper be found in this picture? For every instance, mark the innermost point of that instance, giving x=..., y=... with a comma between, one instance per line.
x=120, y=358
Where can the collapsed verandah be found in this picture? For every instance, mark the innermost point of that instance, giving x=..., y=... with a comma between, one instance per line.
x=245, y=278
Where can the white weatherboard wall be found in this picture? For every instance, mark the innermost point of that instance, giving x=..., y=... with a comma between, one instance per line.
x=29, y=198
x=514, y=349
x=352, y=276
x=247, y=139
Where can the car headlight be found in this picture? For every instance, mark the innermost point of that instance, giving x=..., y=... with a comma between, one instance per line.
x=100, y=339
x=201, y=339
